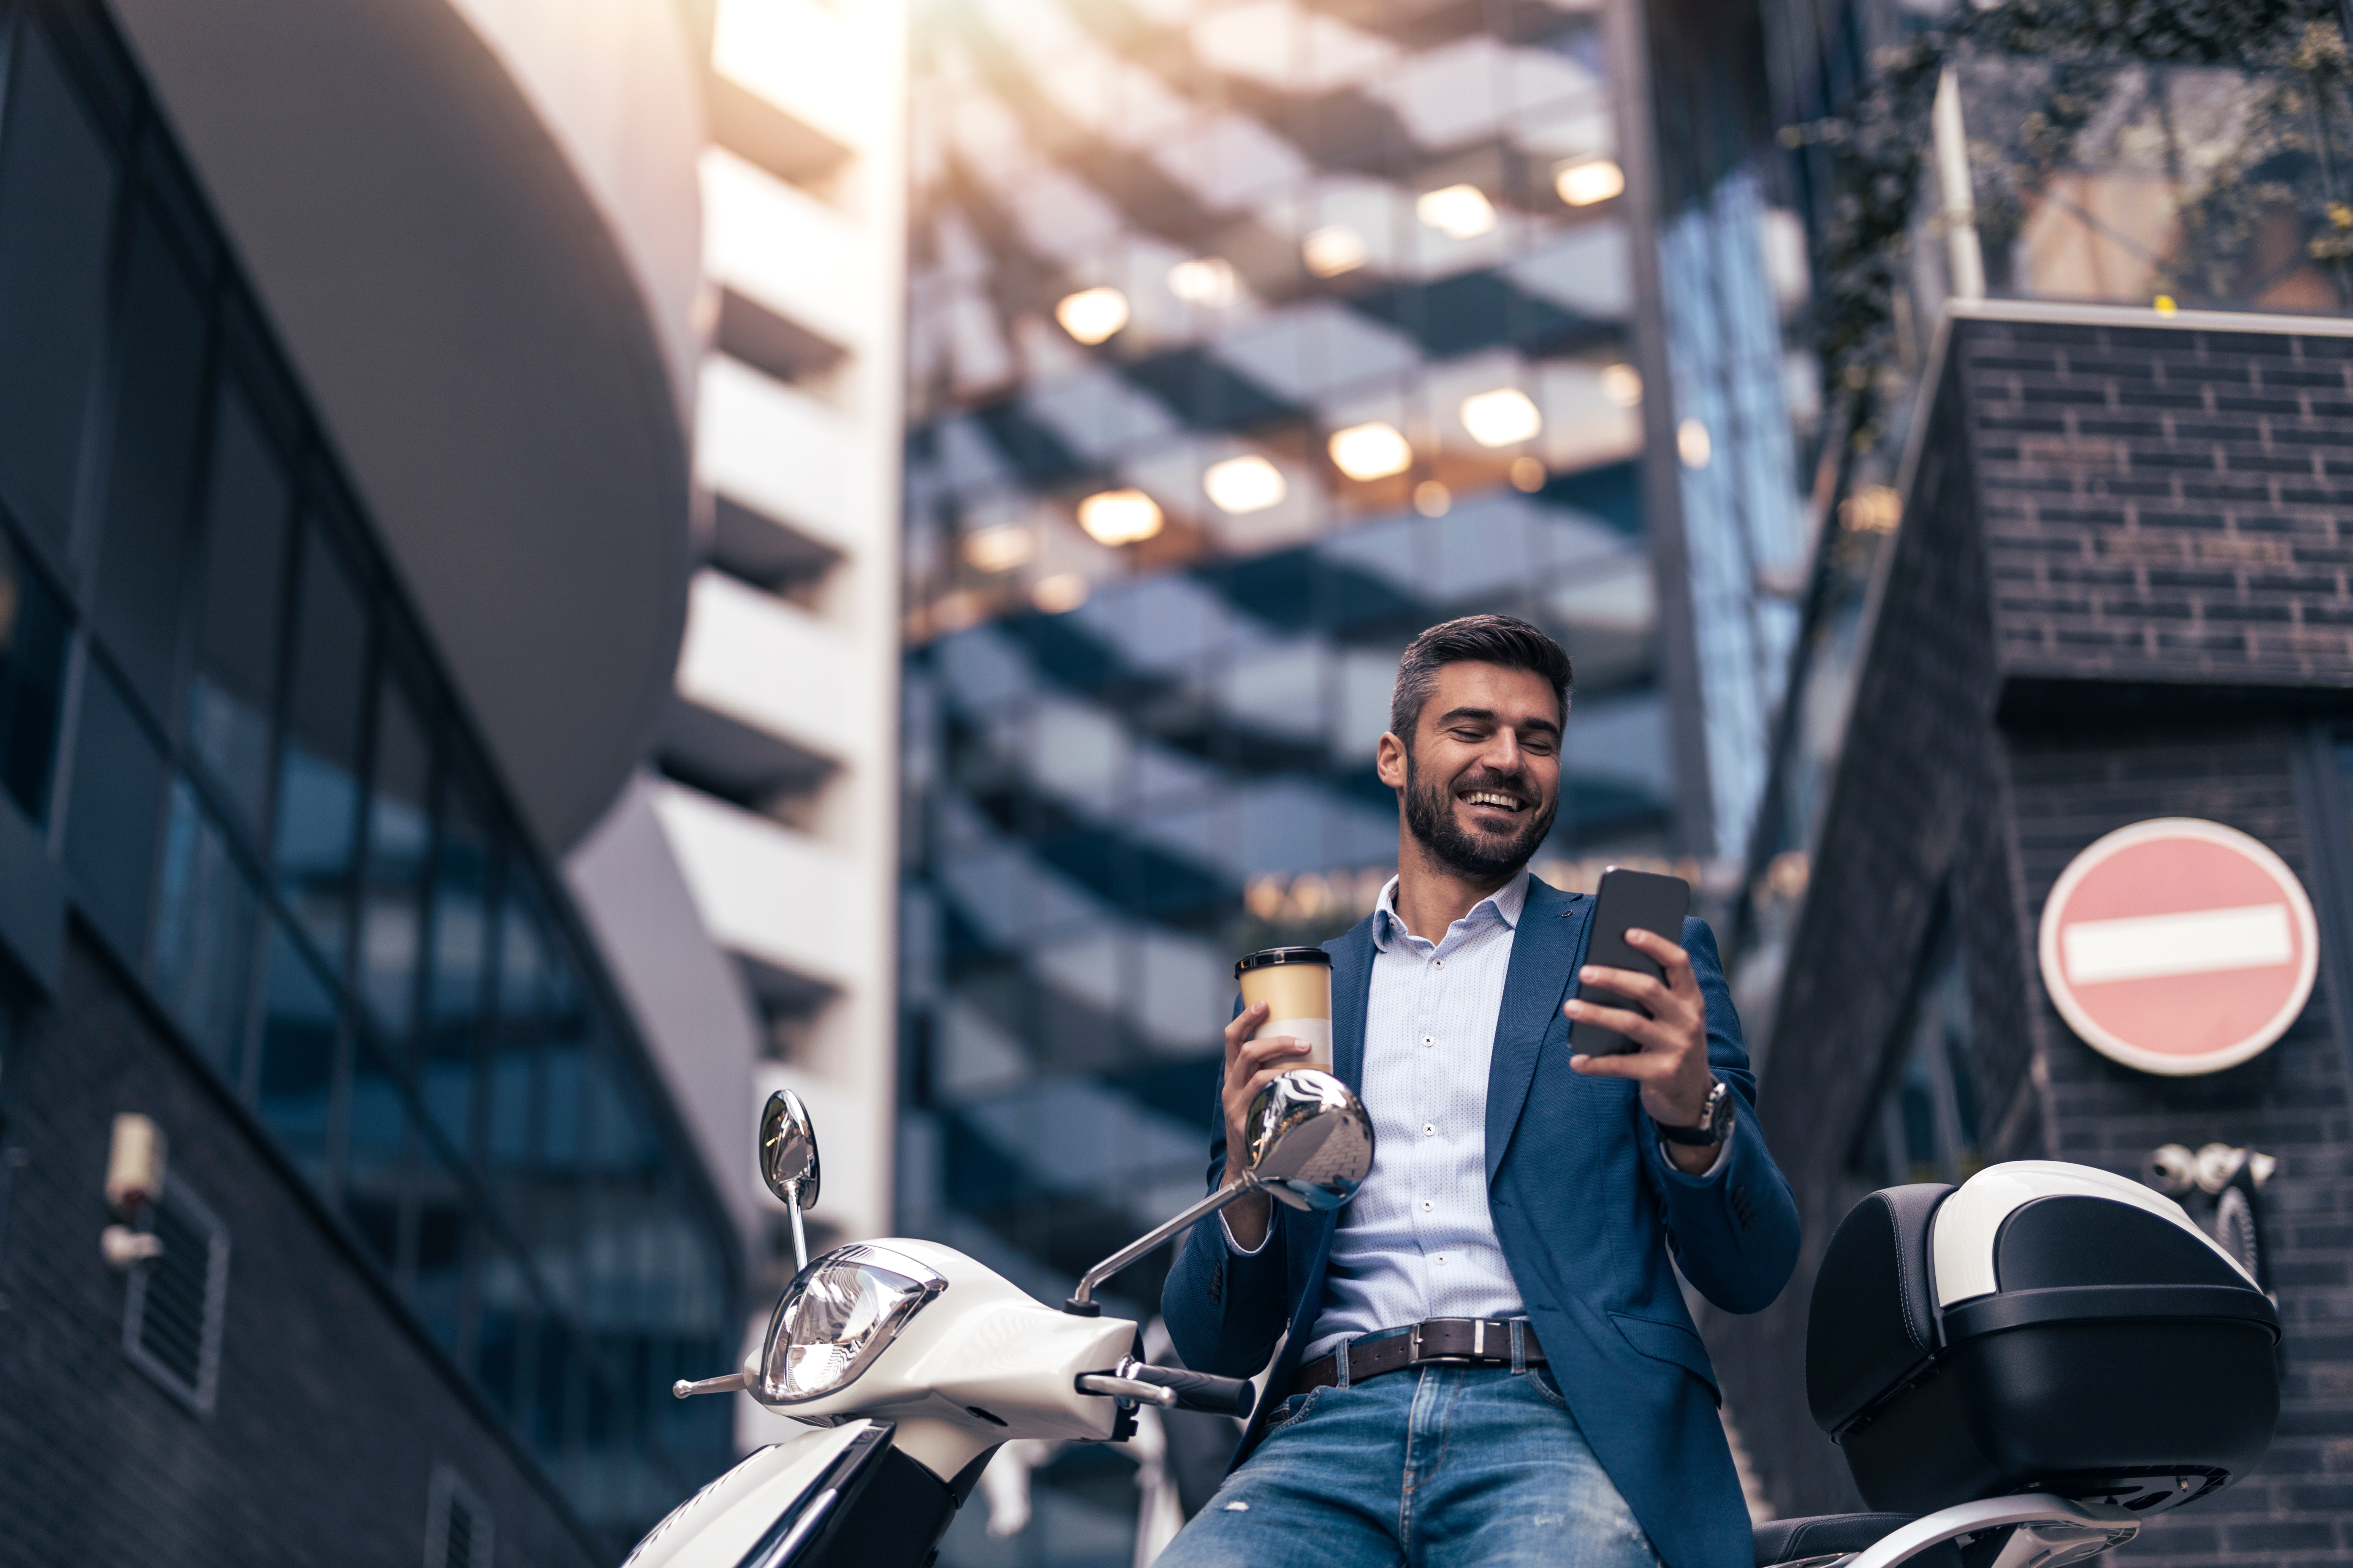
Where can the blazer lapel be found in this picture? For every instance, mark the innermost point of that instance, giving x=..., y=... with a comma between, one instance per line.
x=1543, y=957
x=1352, y=991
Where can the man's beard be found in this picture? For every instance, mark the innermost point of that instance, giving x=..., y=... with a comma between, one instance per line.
x=1430, y=814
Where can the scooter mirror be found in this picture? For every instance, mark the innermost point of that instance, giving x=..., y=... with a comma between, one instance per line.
x=788, y=1150
x=1311, y=1143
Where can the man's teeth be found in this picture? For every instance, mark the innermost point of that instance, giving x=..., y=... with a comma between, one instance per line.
x=1489, y=797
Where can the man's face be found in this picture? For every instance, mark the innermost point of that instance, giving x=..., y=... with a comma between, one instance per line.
x=1481, y=781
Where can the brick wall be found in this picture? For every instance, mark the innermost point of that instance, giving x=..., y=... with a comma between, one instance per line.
x=2162, y=504
x=2118, y=592
x=2067, y=788
x=329, y=1417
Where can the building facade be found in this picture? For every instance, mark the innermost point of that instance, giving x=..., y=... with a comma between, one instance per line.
x=772, y=780
x=1245, y=342
x=2116, y=593
x=344, y=539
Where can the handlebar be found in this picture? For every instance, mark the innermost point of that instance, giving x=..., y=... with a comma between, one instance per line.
x=1201, y=1390
x=1173, y=1387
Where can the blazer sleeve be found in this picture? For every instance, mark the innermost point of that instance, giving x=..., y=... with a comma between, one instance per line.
x=1226, y=1309
x=1735, y=1229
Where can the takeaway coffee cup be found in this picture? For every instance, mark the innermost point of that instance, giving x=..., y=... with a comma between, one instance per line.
x=1295, y=982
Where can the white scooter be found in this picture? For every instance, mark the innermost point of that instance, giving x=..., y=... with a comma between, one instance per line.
x=914, y=1363
x=2020, y=1370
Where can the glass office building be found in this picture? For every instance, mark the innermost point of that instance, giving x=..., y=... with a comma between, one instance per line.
x=219, y=713
x=1245, y=342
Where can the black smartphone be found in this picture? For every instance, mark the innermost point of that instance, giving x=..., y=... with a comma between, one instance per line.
x=1627, y=900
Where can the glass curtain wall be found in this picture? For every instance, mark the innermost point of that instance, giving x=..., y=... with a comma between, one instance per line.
x=1247, y=340
x=215, y=703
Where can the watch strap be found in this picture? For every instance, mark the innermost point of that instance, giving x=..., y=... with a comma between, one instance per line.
x=1716, y=1122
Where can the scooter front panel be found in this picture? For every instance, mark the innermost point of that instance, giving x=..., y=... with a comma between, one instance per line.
x=716, y=1526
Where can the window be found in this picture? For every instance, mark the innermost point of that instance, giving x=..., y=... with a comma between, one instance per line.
x=1925, y=1126
x=172, y=1309
x=57, y=201
x=33, y=629
x=458, y=1526
x=241, y=581
x=151, y=459
x=112, y=824
x=398, y=830
x=318, y=778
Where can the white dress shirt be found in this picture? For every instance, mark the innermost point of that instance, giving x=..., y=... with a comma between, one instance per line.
x=1417, y=1240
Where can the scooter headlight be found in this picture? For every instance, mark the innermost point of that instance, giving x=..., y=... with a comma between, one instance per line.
x=837, y=1316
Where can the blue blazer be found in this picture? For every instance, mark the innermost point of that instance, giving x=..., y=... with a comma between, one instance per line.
x=1587, y=1210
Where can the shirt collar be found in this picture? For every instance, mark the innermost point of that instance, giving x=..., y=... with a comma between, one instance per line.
x=1507, y=902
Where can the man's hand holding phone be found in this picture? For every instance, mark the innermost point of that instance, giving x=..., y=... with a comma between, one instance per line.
x=1670, y=1060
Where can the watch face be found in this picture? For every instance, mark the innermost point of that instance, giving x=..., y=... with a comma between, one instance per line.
x=1719, y=1111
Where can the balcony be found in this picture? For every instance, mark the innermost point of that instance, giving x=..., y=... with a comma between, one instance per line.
x=783, y=454
x=2111, y=180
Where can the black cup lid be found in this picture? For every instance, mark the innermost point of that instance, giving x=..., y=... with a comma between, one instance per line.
x=1266, y=957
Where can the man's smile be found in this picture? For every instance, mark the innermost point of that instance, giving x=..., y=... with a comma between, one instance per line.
x=1493, y=799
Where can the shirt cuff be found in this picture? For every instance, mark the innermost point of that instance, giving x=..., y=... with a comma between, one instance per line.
x=1722, y=1151
x=1236, y=1248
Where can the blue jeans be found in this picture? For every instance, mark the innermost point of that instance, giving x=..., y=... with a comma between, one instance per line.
x=1437, y=1467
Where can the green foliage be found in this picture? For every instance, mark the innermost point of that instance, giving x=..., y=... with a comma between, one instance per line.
x=1881, y=146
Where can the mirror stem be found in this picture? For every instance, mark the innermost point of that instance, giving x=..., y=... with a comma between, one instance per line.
x=801, y=1236
x=1083, y=1303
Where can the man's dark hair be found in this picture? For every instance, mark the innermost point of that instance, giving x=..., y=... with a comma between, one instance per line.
x=1504, y=640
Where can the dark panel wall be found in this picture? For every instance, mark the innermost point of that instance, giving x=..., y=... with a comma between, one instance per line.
x=2067, y=789
x=329, y=1417
x=2118, y=592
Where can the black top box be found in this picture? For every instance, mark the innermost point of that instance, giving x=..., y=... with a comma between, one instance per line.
x=2044, y=1328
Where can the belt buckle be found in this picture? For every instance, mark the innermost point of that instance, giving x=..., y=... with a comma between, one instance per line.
x=1413, y=1341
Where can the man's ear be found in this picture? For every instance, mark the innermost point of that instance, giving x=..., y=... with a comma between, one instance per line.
x=1388, y=760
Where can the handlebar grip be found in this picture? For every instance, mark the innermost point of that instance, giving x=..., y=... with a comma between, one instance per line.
x=1201, y=1390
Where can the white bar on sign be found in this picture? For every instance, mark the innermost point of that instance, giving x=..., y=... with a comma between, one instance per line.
x=2197, y=941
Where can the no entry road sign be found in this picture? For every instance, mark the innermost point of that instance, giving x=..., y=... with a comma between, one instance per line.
x=2178, y=946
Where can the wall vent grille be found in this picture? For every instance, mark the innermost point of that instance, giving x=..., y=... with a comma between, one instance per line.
x=458, y=1529
x=173, y=1311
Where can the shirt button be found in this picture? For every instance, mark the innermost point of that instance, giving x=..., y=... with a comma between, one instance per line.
x=1441, y=1258
x=1425, y=1205
x=1430, y=1129
x=1439, y=961
x=1430, y=1039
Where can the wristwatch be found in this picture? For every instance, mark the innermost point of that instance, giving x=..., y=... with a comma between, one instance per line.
x=1714, y=1121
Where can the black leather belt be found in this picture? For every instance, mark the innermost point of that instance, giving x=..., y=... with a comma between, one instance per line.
x=1441, y=1341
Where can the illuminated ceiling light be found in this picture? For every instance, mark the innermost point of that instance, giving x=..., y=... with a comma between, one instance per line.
x=1333, y=250
x=1693, y=445
x=1241, y=485
x=1206, y=280
x=1503, y=418
x=1372, y=451
x=1119, y=517
x=1064, y=591
x=1432, y=499
x=1528, y=474
x=1873, y=508
x=1621, y=385
x=1583, y=181
x=999, y=549
x=1091, y=315
x=1458, y=212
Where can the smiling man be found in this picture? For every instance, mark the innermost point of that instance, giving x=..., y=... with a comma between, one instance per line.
x=1484, y=1358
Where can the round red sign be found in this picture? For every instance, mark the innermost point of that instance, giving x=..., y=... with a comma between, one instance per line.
x=2178, y=946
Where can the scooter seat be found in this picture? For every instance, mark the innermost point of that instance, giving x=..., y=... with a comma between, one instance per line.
x=1828, y=1534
